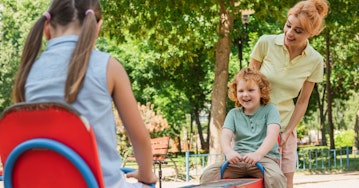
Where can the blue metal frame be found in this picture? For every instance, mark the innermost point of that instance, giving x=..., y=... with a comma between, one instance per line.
x=226, y=163
x=127, y=170
x=52, y=145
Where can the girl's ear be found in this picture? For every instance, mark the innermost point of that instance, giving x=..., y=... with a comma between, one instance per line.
x=99, y=24
x=47, y=30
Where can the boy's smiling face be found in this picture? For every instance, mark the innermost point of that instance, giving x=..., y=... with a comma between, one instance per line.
x=249, y=96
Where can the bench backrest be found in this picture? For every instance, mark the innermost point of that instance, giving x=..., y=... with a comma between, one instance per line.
x=160, y=148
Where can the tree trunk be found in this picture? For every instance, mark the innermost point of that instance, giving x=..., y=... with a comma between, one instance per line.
x=209, y=128
x=356, y=132
x=204, y=144
x=219, y=93
x=176, y=145
x=329, y=91
x=320, y=101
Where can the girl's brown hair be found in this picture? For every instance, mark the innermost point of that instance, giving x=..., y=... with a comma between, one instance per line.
x=311, y=14
x=63, y=13
x=250, y=75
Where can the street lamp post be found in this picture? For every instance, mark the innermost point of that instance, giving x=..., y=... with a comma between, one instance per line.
x=245, y=20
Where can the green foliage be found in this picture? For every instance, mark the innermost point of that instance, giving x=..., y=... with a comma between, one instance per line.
x=311, y=147
x=342, y=27
x=344, y=138
x=344, y=112
x=302, y=130
x=156, y=125
x=16, y=18
x=172, y=28
x=168, y=49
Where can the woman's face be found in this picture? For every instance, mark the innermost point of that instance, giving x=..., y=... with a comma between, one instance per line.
x=294, y=33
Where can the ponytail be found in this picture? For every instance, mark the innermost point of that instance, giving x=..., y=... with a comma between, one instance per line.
x=63, y=12
x=81, y=57
x=30, y=52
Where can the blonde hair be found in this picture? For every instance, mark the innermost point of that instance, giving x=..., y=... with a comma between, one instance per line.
x=62, y=12
x=311, y=14
x=254, y=76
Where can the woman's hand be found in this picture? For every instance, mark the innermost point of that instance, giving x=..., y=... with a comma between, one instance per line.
x=283, y=138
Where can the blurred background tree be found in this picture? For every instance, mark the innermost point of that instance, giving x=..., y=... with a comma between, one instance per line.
x=171, y=51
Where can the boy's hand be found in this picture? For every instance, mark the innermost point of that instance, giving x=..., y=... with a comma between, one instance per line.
x=233, y=157
x=252, y=158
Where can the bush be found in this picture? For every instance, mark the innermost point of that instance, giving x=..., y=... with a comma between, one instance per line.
x=344, y=138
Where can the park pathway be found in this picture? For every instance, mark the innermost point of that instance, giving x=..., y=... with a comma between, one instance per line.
x=301, y=180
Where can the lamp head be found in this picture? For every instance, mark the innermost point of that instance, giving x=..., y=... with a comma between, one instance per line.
x=246, y=15
x=245, y=19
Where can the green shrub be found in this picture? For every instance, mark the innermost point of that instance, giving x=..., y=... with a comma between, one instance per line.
x=344, y=138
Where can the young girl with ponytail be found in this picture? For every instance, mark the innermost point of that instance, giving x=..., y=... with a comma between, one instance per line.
x=70, y=70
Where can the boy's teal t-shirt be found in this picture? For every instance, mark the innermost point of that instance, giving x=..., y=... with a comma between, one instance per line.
x=250, y=131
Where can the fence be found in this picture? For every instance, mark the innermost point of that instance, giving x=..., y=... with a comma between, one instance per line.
x=198, y=161
x=306, y=160
x=327, y=159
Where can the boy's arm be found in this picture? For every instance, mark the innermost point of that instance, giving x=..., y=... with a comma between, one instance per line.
x=226, y=139
x=270, y=140
x=227, y=148
x=266, y=146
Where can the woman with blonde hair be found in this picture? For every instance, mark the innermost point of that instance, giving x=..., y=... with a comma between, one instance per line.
x=293, y=67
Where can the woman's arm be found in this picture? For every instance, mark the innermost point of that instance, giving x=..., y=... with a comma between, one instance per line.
x=299, y=110
x=120, y=88
x=254, y=64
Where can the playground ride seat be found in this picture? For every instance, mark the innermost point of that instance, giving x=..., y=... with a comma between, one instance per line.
x=48, y=144
x=233, y=183
x=226, y=163
x=257, y=184
x=1, y=177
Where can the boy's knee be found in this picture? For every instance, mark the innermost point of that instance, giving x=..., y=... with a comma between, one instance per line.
x=208, y=176
x=275, y=180
x=211, y=173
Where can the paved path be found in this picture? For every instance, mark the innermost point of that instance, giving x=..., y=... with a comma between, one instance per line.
x=342, y=180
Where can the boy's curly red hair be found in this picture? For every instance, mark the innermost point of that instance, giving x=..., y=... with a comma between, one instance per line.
x=253, y=77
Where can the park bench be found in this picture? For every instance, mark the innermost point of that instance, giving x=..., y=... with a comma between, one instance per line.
x=160, y=148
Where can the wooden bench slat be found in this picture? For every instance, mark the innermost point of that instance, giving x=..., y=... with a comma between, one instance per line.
x=160, y=147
